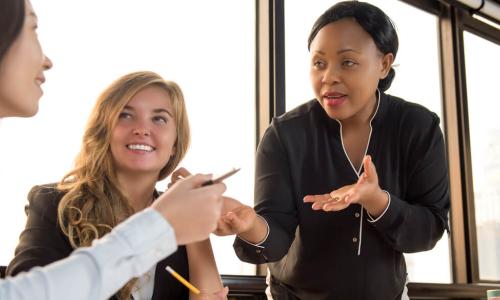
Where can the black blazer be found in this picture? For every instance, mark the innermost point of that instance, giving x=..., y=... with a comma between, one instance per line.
x=43, y=242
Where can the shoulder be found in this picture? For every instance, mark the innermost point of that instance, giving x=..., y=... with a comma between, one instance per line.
x=297, y=121
x=44, y=199
x=410, y=111
x=297, y=114
x=410, y=116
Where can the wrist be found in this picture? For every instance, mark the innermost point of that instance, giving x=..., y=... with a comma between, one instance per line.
x=257, y=232
x=379, y=203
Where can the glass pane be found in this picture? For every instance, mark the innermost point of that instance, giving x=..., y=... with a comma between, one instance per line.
x=481, y=62
x=417, y=80
x=92, y=42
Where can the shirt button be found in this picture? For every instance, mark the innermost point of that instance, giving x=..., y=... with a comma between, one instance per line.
x=356, y=215
x=258, y=251
x=354, y=240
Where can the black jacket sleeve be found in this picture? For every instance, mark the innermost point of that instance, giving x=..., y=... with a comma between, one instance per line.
x=272, y=178
x=42, y=241
x=416, y=221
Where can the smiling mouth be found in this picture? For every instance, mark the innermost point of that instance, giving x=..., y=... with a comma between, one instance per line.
x=141, y=147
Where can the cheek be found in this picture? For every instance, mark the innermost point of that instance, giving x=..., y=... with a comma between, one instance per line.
x=315, y=79
x=116, y=138
x=17, y=94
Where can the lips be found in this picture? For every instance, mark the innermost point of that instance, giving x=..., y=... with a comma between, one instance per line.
x=334, y=98
x=40, y=80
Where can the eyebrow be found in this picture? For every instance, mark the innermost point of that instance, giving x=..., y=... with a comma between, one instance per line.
x=156, y=110
x=339, y=51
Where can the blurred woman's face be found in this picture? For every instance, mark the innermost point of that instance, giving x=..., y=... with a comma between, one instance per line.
x=21, y=71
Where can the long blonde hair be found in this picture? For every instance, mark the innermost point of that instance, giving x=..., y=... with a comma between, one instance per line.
x=93, y=204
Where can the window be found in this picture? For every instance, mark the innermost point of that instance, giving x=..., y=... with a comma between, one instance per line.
x=484, y=131
x=417, y=80
x=210, y=55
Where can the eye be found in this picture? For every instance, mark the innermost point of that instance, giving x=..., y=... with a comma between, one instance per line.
x=160, y=119
x=318, y=64
x=348, y=63
x=125, y=115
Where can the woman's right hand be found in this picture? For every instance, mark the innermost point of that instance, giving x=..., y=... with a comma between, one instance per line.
x=236, y=218
x=182, y=203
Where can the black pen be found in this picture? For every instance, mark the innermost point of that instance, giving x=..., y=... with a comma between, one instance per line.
x=220, y=178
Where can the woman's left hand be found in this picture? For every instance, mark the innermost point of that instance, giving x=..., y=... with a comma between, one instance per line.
x=177, y=175
x=341, y=198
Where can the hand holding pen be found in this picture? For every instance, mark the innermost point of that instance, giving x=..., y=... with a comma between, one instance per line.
x=182, y=173
x=180, y=206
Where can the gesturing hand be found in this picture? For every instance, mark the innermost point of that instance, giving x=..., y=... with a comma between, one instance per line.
x=236, y=217
x=361, y=192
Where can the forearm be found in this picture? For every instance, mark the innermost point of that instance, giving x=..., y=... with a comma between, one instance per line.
x=203, y=271
x=97, y=272
x=410, y=228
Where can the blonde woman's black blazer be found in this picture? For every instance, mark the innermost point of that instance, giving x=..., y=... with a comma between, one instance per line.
x=43, y=242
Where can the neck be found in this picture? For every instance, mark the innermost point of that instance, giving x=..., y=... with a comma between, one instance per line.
x=138, y=188
x=364, y=116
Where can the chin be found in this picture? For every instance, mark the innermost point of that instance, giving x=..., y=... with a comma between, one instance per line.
x=26, y=113
x=331, y=113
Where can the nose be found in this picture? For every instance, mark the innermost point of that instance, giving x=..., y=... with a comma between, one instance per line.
x=331, y=75
x=141, y=132
x=47, y=63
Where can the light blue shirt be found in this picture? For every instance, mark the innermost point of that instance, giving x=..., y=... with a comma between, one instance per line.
x=99, y=271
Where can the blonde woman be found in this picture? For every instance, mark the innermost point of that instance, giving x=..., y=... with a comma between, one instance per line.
x=137, y=134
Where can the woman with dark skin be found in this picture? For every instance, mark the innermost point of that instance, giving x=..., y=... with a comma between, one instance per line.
x=347, y=182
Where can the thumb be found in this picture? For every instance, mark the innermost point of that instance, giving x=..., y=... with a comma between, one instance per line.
x=367, y=165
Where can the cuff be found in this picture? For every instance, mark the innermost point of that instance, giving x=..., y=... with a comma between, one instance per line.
x=259, y=244
x=372, y=219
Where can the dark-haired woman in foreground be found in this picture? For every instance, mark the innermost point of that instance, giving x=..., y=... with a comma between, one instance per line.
x=348, y=182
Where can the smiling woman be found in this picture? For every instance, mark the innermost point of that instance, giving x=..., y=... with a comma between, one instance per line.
x=143, y=139
x=136, y=135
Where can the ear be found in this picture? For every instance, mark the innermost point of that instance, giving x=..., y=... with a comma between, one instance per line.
x=387, y=61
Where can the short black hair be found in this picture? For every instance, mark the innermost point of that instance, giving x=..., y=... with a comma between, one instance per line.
x=373, y=20
x=12, y=14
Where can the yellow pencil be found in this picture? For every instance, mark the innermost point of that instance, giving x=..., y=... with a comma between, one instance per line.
x=177, y=276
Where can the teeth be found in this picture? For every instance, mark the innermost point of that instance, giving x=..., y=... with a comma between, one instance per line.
x=140, y=147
